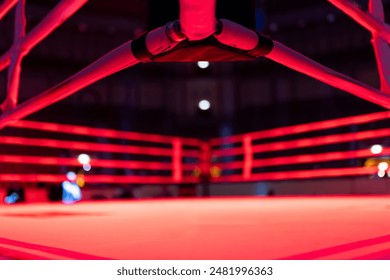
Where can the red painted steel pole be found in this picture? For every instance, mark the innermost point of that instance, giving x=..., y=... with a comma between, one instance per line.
x=197, y=18
x=381, y=47
x=177, y=166
x=16, y=59
x=248, y=158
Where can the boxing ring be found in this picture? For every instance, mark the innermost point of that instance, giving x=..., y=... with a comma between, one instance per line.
x=322, y=227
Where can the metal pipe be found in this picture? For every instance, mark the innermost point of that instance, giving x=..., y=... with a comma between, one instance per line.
x=298, y=62
x=6, y=7
x=14, y=70
x=197, y=18
x=235, y=35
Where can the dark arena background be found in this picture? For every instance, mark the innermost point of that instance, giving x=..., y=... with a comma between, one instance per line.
x=161, y=129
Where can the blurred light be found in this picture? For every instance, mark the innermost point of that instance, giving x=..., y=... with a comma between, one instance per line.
x=196, y=172
x=70, y=192
x=215, y=171
x=203, y=64
x=376, y=149
x=12, y=198
x=381, y=173
x=382, y=166
x=8, y=200
x=80, y=182
x=87, y=167
x=84, y=158
x=204, y=105
x=71, y=176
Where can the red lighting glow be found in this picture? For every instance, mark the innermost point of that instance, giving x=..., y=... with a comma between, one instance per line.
x=87, y=146
x=100, y=132
x=301, y=174
x=308, y=142
x=105, y=163
x=302, y=159
x=302, y=128
x=251, y=222
x=177, y=160
x=248, y=157
x=95, y=179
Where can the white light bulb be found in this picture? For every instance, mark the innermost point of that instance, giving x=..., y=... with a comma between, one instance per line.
x=376, y=149
x=383, y=166
x=204, y=105
x=87, y=167
x=84, y=158
x=203, y=64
